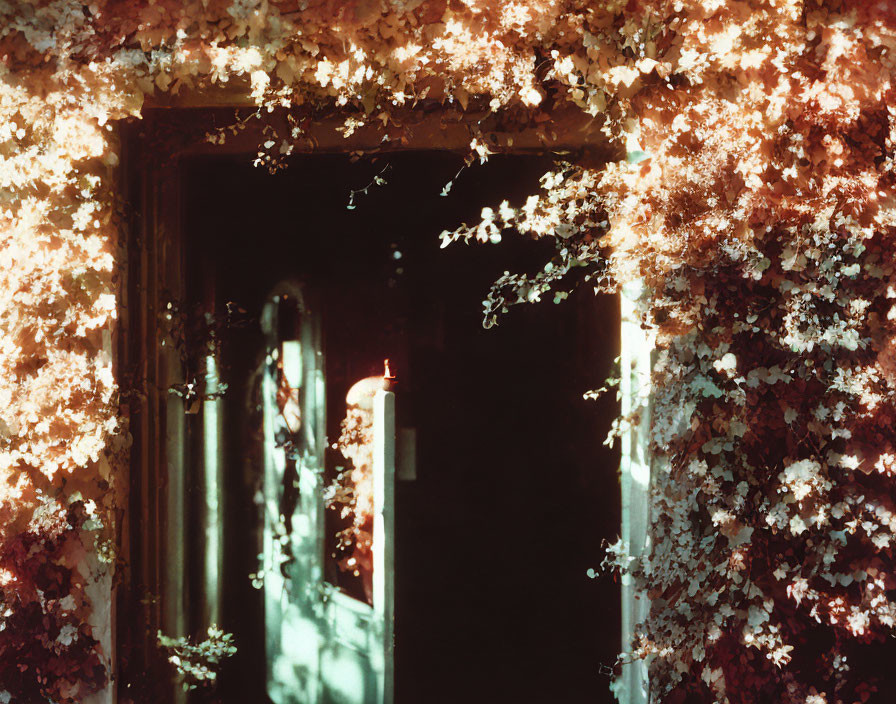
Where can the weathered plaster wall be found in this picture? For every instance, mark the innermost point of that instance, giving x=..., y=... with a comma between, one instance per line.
x=756, y=204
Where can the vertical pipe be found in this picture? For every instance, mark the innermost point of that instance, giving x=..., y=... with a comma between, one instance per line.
x=635, y=367
x=212, y=476
x=157, y=396
x=172, y=477
x=173, y=602
x=384, y=531
x=137, y=527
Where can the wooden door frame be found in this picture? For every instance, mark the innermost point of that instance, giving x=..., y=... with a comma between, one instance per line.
x=151, y=181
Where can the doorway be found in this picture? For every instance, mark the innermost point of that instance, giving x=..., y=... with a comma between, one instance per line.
x=513, y=490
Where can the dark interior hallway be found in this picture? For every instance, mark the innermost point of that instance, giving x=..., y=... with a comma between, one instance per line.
x=515, y=491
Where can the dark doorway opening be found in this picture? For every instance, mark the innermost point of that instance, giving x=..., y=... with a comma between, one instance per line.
x=515, y=491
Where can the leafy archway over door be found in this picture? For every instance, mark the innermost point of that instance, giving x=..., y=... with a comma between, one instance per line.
x=755, y=202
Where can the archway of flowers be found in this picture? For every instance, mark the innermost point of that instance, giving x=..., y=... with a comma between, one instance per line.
x=755, y=201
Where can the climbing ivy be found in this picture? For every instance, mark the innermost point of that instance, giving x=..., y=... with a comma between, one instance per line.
x=752, y=195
